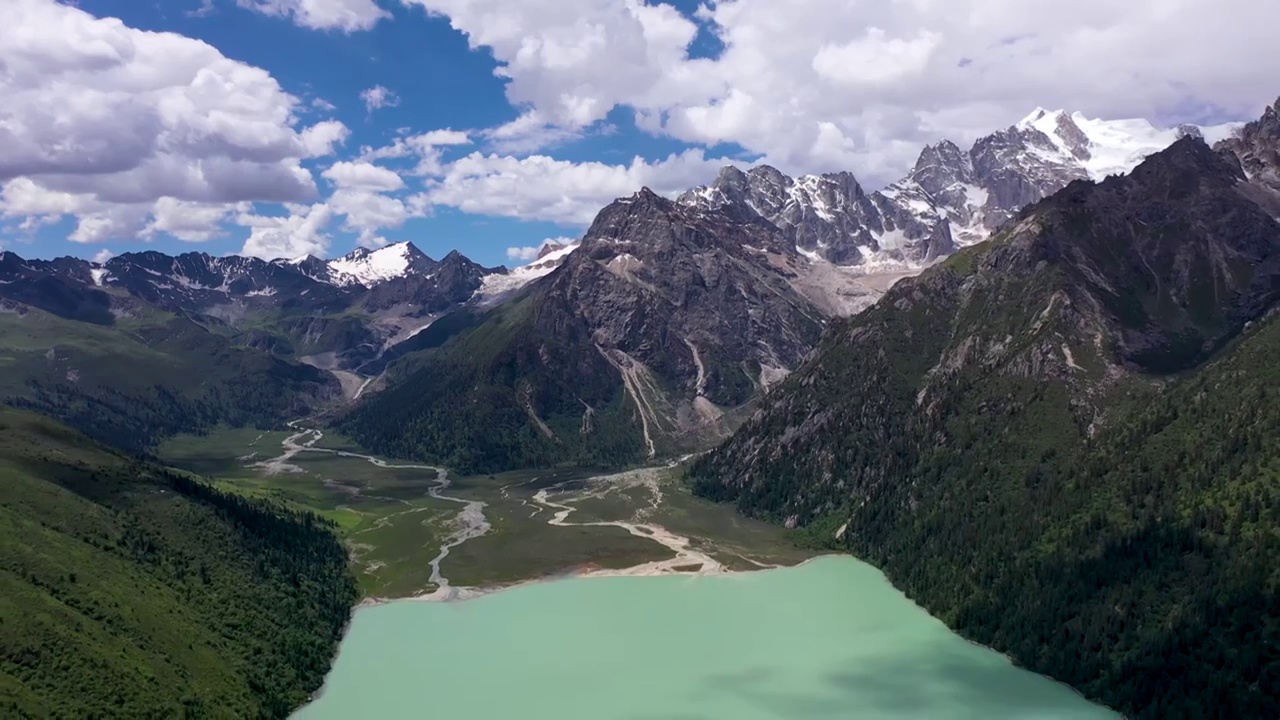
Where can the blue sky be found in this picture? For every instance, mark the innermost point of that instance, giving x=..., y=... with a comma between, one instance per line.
x=504, y=123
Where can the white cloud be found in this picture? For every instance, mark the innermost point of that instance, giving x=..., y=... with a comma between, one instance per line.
x=523, y=253
x=818, y=85
x=298, y=234
x=378, y=97
x=875, y=59
x=530, y=253
x=120, y=221
x=344, y=15
x=528, y=133
x=363, y=175
x=426, y=147
x=543, y=188
x=118, y=126
x=103, y=255
x=362, y=199
x=188, y=221
x=368, y=211
x=321, y=139
x=100, y=221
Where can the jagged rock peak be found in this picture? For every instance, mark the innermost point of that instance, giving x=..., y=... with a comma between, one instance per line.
x=1256, y=149
x=550, y=247
x=730, y=174
x=1189, y=130
x=769, y=173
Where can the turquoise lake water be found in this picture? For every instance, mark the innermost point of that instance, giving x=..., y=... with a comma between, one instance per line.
x=829, y=639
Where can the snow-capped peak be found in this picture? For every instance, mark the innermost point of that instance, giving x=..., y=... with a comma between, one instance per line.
x=1105, y=147
x=370, y=267
x=1037, y=117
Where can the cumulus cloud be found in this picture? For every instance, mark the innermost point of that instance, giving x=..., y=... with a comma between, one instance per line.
x=301, y=233
x=427, y=147
x=103, y=255
x=362, y=199
x=367, y=212
x=120, y=127
x=816, y=85
x=524, y=254
x=530, y=253
x=323, y=138
x=528, y=133
x=363, y=175
x=544, y=188
x=188, y=221
x=344, y=15
x=378, y=97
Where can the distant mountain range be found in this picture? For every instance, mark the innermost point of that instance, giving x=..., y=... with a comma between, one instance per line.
x=669, y=317
x=951, y=198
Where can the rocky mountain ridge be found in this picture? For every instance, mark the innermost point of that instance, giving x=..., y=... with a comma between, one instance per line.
x=664, y=319
x=951, y=198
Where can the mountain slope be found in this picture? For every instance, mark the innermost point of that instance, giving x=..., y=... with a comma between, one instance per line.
x=1003, y=436
x=141, y=374
x=128, y=591
x=661, y=321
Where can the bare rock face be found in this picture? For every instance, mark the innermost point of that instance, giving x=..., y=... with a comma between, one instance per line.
x=663, y=321
x=950, y=199
x=689, y=295
x=1257, y=148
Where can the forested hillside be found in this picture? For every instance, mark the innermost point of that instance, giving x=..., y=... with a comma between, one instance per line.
x=129, y=591
x=1064, y=442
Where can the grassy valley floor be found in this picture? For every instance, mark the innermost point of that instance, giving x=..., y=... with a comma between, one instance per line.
x=413, y=530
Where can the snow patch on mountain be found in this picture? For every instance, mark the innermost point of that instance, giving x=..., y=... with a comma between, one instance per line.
x=551, y=257
x=1111, y=147
x=950, y=199
x=370, y=267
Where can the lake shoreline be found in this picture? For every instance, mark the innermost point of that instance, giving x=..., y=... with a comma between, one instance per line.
x=463, y=594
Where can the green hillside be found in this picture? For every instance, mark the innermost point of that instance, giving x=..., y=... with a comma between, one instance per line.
x=465, y=399
x=128, y=591
x=1063, y=442
x=145, y=377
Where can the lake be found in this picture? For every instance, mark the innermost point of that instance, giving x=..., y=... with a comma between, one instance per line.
x=828, y=639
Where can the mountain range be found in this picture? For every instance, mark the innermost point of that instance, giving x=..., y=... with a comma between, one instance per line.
x=652, y=334
x=657, y=333
x=1033, y=381
x=1062, y=440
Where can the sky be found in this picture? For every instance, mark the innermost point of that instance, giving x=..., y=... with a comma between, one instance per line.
x=280, y=128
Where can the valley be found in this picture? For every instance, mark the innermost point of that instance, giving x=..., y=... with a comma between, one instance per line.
x=1032, y=382
x=418, y=531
